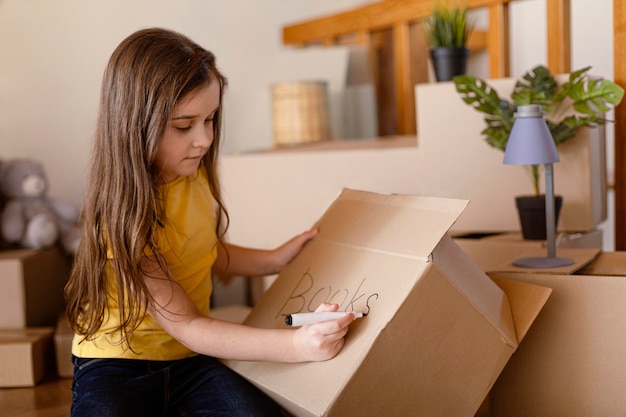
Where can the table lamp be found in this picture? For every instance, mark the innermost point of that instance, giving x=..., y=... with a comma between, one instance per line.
x=530, y=143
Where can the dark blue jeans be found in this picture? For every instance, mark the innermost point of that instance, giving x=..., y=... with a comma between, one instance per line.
x=197, y=386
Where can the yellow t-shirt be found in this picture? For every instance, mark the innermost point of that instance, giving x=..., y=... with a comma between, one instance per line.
x=188, y=243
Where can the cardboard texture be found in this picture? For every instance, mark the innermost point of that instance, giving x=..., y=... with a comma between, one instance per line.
x=498, y=256
x=590, y=239
x=438, y=332
x=607, y=263
x=25, y=356
x=235, y=313
x=31, y=287
x=573, y=359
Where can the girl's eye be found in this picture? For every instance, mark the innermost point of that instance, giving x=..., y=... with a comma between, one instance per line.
x=183, y=128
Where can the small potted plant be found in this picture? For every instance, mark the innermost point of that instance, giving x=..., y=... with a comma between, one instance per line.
x=447, y=31
x=581, y=101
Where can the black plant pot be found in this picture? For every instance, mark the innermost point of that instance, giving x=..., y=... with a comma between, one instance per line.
x=449, y=62
x=532, y=215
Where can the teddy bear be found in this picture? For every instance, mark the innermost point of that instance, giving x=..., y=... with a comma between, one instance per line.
x=30, y=218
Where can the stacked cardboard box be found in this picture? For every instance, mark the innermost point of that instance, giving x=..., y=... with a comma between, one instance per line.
x=25, y=356
x=31, y=298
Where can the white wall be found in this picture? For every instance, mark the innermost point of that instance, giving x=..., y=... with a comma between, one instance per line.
x=52, y=54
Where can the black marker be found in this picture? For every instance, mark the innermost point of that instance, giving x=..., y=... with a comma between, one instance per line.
x=301, y=319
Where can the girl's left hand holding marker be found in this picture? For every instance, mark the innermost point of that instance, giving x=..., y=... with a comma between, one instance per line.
x=322, y=341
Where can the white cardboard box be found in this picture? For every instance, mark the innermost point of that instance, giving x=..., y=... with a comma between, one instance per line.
x=31, y=287
x=438, y=333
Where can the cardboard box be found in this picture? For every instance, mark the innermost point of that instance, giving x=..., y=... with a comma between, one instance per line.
x=590, y=239
x=25, y=356
x=31, y=287
x=438, y=332
x=572, y=361
x=498, y=255
x=236, y=313
x=63, y=337
x=607, y=263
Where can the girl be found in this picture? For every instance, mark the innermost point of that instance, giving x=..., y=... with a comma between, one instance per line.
x=154, y=221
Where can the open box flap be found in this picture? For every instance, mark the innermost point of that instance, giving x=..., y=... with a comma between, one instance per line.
x=526, y=301
x=607, y=263
x=406, y=226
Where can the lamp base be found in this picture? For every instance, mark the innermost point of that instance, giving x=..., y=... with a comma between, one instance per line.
x=542, y=262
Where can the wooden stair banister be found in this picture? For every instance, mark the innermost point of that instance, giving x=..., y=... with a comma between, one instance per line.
x=368, y=25
x=619, y=73
x=559, y=40
x=387, y=29
x=369, y=18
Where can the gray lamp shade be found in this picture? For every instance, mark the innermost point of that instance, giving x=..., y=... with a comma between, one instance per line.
x=530, y=141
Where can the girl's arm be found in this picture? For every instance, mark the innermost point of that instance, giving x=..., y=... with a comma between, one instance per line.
x=248, y=262
x=178, y=315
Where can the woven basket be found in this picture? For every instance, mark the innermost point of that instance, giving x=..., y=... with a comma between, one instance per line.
x=300, y=112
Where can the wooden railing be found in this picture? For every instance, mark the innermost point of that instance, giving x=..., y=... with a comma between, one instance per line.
x=398, y=58
x=398, y=51
x=619, y=74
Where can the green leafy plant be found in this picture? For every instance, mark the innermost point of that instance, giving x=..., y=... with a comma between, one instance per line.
x=580, y=101
x=448, y=26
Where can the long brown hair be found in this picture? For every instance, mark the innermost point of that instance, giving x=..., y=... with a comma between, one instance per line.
x=148, y=74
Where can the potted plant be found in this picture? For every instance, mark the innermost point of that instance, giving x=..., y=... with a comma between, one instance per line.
x=580, y=101
x=447, y=31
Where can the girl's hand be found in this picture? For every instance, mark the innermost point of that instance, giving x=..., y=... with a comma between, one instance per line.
x=322, y=341
x=233, y=260
x=287, y=251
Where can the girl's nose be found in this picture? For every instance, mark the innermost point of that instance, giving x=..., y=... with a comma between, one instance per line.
x=204, y=138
